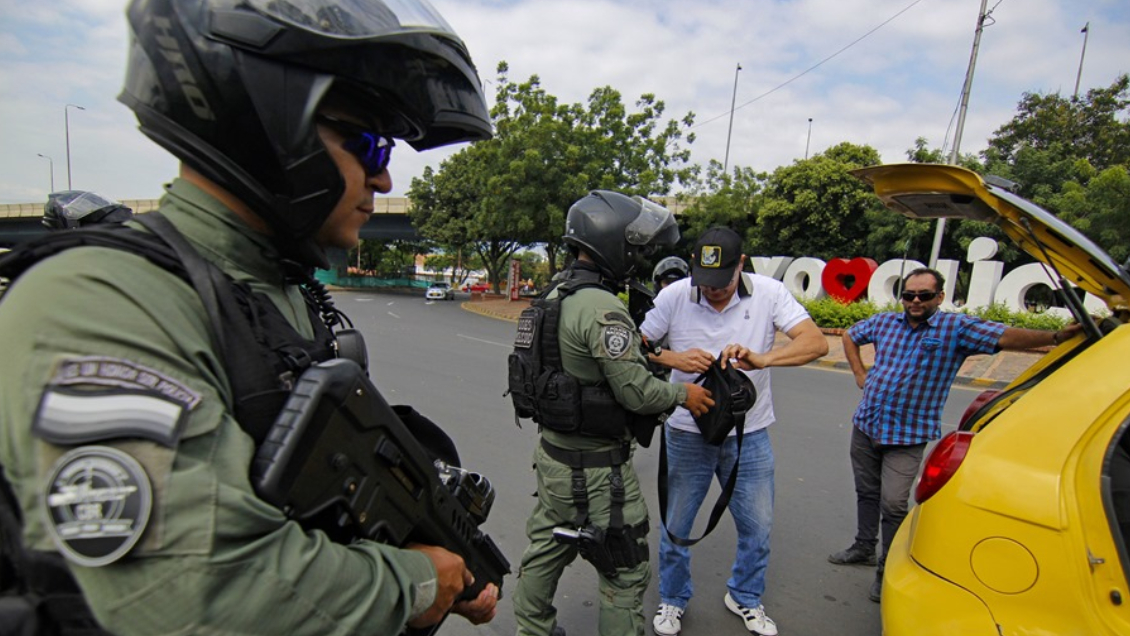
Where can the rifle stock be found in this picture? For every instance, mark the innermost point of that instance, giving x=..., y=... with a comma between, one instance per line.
x=339, y=459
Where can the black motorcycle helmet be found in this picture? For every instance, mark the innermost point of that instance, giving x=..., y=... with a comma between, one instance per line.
x=619, y=232
x=231, y=88
x=72, y=209
x=670, y=270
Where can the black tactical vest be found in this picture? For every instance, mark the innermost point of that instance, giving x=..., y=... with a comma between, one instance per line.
x=538, y=385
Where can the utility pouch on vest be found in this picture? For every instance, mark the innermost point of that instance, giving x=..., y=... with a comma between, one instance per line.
x=602, y=413
x=524, y=363
x=559, y=401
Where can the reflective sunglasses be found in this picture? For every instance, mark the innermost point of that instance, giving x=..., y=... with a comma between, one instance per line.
x=372, y=149
x=924, y=296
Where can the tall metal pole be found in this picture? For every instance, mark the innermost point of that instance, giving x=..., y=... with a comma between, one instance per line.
x=1086, y=34
x=51, y=167
x=733, y=100
x=809, y=138
x=67, y=127
x=936, y=250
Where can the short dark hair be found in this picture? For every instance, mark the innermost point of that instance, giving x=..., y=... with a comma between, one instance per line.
x=939, y=280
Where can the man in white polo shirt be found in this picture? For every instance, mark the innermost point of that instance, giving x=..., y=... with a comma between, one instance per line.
x=721, y=310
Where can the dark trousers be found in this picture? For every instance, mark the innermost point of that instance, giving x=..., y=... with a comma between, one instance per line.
x=883, y=475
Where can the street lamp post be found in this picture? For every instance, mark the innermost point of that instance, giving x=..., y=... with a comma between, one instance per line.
x=1086, y=34
x=940, y=229
x=733, y=100
x=51, y=167
x=809, y=138
x=67, y=128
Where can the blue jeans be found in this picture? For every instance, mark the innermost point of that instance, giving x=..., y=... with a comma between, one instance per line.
x=691, y=463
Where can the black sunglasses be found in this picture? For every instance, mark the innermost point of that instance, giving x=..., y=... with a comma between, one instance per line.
x=372, y=149
x=924, y=296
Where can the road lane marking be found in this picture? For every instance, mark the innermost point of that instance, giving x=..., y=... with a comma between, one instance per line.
x=490, y=342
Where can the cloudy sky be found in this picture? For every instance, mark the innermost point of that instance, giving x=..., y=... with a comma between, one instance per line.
x=876, y=72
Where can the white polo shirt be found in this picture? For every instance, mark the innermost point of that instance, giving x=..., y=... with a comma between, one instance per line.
x=752, y=318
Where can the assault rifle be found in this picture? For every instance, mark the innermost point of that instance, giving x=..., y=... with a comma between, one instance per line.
x=339, y=459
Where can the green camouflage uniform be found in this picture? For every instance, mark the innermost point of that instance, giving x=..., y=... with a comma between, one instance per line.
x=214, y=558
x=588, y=316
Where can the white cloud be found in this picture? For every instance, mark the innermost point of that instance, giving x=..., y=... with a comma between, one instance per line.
x=899, y=83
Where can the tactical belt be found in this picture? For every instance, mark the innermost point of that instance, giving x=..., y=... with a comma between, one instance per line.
x=579, y=461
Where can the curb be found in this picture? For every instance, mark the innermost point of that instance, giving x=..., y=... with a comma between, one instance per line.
x=964, y=380
x=476, y=307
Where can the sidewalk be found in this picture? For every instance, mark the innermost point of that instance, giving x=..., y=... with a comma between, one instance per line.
x=993, y=371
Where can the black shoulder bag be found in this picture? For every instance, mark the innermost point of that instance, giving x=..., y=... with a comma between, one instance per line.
x=734, y=395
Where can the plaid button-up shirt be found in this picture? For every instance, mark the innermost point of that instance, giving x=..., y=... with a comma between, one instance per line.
x=914, y=368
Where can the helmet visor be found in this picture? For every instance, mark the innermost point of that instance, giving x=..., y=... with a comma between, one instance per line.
x=355, y=19
x=653, y=220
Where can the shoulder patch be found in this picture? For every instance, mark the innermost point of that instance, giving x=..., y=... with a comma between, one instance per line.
x=617, y=339
x=125, y=374
x=615, y=316
x=97, y=502
x=68, y=417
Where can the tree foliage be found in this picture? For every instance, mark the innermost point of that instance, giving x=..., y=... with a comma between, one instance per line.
x=722, y=199
x=544, y=156
x=815, y=208
x=1071, y=156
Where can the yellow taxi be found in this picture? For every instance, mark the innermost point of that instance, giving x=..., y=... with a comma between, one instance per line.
x=1022, y=519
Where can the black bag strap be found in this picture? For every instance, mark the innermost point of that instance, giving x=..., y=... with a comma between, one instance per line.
x=229, y=325
x=727, y=488
x=719, y=505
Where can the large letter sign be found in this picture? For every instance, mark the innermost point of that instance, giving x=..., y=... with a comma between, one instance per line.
x=848, y=280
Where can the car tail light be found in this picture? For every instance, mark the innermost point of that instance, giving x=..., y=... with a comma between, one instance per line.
x=942, y=463
x=976, y=405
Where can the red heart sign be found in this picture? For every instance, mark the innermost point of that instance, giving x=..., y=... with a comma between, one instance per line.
x=839, y=273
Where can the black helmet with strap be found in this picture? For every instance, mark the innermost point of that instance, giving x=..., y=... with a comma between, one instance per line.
x=670, y=269
x=232, y=90
x=72, y=209
x=619, y=232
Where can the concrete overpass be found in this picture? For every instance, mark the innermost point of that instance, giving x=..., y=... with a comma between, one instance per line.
x=20, y=222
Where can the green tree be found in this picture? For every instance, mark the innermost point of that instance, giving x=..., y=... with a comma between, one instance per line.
x=544, y=156
x=459, y=263
x=453, y=207
x=815, y=208
x=1088, y=128
x=1056, y=147
x=1101, y=210
x=533, y=266
x=722, y=199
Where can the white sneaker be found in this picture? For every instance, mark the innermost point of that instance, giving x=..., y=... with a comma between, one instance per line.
x=666, y=621
x=755, y=619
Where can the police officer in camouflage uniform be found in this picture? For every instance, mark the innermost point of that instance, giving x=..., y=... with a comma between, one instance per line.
x=586, y=486
x=118, y=432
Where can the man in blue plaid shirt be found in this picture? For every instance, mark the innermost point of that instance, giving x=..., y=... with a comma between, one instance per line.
x=918, y=353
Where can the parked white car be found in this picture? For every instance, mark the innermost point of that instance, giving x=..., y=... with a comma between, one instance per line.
x=440, y=291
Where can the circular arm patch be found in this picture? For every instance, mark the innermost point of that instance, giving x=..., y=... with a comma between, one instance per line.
x=97, y=503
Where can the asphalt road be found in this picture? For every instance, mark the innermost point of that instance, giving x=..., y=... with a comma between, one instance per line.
x=451, y=365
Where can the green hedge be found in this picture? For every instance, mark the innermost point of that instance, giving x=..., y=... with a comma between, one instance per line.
x=831, y=314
